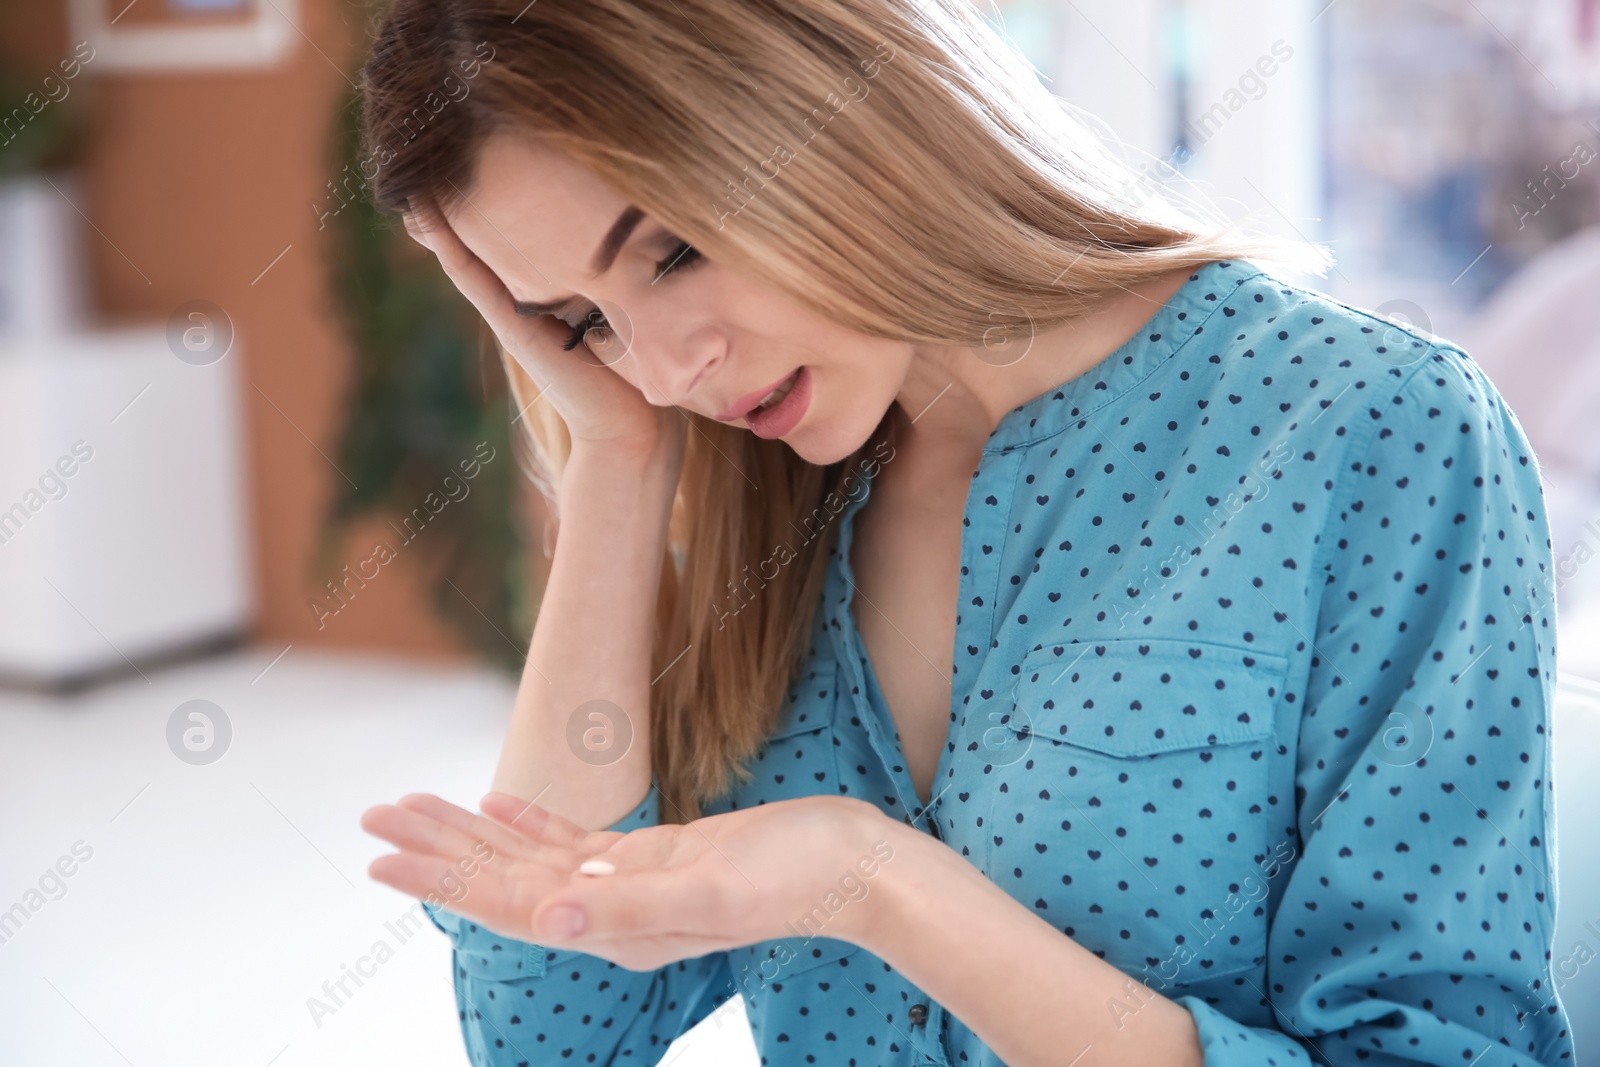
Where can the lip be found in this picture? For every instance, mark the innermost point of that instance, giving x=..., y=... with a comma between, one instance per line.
x=747, y=403
x=786, y=414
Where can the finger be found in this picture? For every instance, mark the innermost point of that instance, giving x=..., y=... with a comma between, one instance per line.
x=471, y=275
x=502, y=837
x=544, y=825
x=414, y=230
x=484, y=288
x=418, y=832
x=421, y=217
x=525, y=339
x=522, y=336
x=423, y=220
x=427, y=223
x=413, y=874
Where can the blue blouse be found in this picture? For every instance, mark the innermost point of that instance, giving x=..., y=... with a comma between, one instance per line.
x=1252, y=687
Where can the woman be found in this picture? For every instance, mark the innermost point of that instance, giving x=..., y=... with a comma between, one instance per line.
x=992, y=619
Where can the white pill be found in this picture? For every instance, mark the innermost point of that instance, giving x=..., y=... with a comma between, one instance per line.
x=596, y=867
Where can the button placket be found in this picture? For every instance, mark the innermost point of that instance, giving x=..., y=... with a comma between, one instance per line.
x=995, y=478
x=990, y=495
x=925, y=1021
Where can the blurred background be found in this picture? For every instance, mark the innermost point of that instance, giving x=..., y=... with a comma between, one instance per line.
x=266, y=557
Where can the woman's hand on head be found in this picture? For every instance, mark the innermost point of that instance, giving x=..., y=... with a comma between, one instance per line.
x=597, y=404
x=677, y=891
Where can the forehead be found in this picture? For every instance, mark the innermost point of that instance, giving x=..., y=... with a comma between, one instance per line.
x=534, y=216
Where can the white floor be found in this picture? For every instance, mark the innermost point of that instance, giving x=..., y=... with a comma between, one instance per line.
x=216, y=900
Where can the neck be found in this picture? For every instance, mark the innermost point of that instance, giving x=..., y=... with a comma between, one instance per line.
x=957, y=395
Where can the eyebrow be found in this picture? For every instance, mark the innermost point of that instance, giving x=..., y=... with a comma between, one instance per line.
x=604, y=256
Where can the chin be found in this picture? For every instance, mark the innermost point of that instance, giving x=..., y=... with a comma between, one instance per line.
x=829, y=441
x=830, y=433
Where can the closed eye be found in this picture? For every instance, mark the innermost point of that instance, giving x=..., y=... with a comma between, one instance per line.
x=683, y=255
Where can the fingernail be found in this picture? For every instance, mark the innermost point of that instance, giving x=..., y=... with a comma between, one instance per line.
x=563, y=920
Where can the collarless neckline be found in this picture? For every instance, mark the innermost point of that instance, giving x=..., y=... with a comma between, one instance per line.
x=1182, y=318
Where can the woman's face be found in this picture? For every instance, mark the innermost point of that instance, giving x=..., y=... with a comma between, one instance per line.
x=684, y=330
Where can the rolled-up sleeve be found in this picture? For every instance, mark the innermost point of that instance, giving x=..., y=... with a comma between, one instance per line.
x=1416, y=924
x=521, y=1003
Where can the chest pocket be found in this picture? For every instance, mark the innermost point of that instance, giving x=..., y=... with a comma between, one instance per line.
x=1132, y=809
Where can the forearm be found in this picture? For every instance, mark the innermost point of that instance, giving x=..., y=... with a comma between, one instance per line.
x=1026, y=989
x=592, y=641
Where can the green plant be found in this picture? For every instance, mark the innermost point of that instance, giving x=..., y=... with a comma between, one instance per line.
x=41, y=131
x=425, y=394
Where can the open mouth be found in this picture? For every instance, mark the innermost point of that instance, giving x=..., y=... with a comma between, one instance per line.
x=782, y=408
x=772, y=399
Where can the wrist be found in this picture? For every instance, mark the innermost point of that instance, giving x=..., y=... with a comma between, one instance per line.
x=651, y=443
x=647, y=453
x=886, y=857
x=639, y=469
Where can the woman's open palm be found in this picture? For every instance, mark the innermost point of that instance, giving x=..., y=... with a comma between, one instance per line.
x=678, y=891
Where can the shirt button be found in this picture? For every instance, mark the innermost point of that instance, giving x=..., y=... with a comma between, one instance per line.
x=918, y=1014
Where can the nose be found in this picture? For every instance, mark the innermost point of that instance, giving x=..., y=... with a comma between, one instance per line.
x=669, y=369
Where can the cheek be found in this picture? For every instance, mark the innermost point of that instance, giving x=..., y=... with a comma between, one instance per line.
x=626, y=368
x=629, y=369
x=867, y=382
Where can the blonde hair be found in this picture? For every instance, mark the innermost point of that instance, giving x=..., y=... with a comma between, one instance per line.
x=891, y=164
